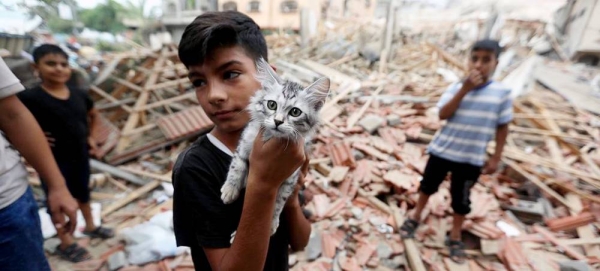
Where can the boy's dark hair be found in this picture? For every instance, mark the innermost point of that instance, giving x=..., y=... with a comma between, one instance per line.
x=214, y=29
x=47, y=49
x=487, y=45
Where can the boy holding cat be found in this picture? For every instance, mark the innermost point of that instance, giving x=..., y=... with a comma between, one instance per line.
x=476, y=110
x=219, y=50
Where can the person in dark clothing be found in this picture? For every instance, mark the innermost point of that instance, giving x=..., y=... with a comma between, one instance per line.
x=66, y=116
x=220, y=49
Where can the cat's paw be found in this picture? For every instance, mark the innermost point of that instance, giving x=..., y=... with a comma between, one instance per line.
x=274, y=226
x=232, y=237
x=229, y=193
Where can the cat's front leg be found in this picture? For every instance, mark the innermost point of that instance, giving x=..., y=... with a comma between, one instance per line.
x=235, y=180
x=283, y=194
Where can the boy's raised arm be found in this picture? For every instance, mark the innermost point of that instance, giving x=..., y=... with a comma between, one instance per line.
x=25, y=134
x=270, y=164
x=474, y=79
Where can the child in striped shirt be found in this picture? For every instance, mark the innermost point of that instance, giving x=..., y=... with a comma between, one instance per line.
x=476, y=110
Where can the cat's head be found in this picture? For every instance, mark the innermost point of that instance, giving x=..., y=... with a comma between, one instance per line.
x=285, y=108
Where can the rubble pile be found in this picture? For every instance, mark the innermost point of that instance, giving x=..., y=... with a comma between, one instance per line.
x=538, y=212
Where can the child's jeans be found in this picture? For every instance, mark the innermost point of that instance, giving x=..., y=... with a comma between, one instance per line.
x=21, y=240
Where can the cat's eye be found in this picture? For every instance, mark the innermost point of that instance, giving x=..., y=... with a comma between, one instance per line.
x=295, y=112
x=272, y=105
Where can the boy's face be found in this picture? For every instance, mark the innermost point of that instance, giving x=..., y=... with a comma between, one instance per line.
x=483, y=61
x=53, y=68
x=224, y=84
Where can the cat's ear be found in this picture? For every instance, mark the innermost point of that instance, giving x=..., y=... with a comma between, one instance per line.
x=318, y=92
x=266, y=75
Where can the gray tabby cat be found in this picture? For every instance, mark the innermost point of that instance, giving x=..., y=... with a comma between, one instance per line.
x=283, y=109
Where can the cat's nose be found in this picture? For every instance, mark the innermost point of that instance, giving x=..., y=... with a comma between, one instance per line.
x=277, y=123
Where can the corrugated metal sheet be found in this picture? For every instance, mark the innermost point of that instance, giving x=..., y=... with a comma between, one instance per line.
x=184, y=123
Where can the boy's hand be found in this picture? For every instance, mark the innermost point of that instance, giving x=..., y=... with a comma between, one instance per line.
x=61, y=204
x=474, y=79
x=274, y=161
x=491, y=166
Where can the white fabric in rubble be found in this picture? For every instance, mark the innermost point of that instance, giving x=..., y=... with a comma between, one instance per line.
x=151, y=241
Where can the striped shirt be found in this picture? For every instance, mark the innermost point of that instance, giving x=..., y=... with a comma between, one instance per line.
x=466, y=134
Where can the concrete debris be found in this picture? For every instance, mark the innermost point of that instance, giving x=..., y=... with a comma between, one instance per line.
x=371, y=123
x=574, y=266
x=369, y=155
x=117, y=260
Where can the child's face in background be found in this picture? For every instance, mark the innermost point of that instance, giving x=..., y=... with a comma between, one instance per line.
x=224, y=84
x=483, y=61
x=53, y=68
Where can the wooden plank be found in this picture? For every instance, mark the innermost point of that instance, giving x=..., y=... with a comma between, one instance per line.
x=585, y=232
x=172, y=83
x=518, y=155
x=130, y=197
x=126, y=83
x=189, y=95
x=413, y=255
x=375, y=201
x=567, y=249
x=554, y=149
x=141, y=129
x=352, y=120
x=518, y=129
x=134, y=118
x=333, y=74
x=109, y=97
x=583, y=241
x=540, y=184
x=448, y=57
x=348, y=88
x=164, y=178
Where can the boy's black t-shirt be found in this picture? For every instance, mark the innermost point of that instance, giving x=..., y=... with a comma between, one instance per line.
x=64, y=120
x=201, y=219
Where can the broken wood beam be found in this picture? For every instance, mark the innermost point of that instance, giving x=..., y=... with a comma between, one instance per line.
x=568, y=250
x=413, y=255
x=130, y=197
x=539, y=183
x=114, y=171
x=163, y=178
x=107, y=96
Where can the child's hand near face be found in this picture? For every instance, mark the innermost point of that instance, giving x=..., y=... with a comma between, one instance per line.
x=474, y=79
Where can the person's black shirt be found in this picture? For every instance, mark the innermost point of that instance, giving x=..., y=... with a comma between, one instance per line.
x=66, y=121
x=201, y=219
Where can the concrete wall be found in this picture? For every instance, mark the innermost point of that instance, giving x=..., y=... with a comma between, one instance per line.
x=590, y=40
x=270, y=14
x=577, y=23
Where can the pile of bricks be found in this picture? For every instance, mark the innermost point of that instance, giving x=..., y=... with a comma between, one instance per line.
x=370, y=152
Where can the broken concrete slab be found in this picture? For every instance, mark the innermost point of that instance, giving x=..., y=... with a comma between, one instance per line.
x=574, y=266
x=393, y=120
x=371, y=123
x=117, y=260
x=314, y=247
x=384, y=251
